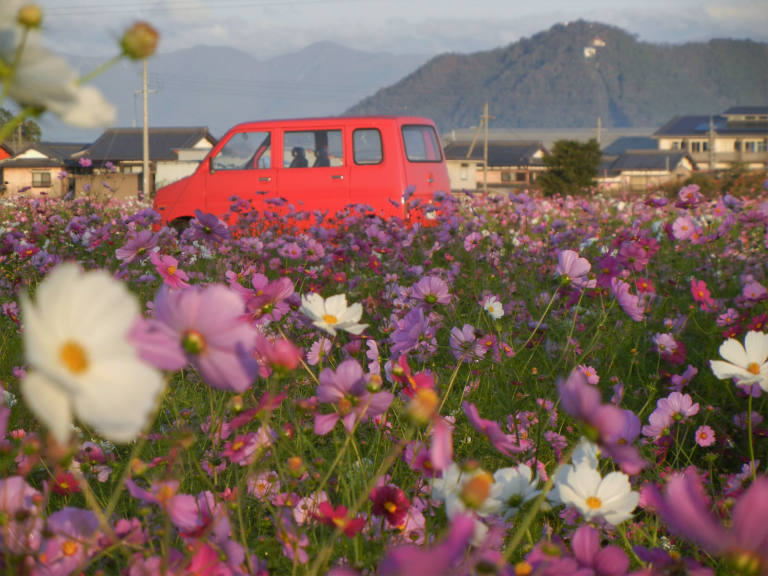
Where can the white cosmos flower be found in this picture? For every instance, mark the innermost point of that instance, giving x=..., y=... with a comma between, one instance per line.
x=512, y=487
x=493, y=307
x=333, y=314
x=46, y=80
x=611, y=498
x=81, y=363
x=747, y=364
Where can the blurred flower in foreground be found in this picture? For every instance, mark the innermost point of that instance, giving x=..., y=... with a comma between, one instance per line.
x=333, y=314
x=81, y=362
x=43, y=80
x=139, y=41
x=685, y=509
x=747, y=364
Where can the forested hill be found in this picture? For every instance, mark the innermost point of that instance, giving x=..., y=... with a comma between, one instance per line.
x=575, y=73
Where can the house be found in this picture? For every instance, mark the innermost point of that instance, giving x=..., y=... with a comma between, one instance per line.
x=738, y=136
x=39, y=168
x=173, y=153
x=638, y=170
x=510, y=163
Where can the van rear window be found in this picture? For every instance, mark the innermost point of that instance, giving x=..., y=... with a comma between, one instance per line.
x=367, y=145
x=421, y=144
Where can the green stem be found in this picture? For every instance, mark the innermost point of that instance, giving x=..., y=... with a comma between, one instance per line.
x=533, y=511
x=8, y=128
x=749, y=436
x=99, y=70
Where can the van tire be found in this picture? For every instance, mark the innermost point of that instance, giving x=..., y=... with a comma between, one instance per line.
x=180, y=224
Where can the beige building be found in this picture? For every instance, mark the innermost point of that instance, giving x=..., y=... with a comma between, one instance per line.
x=739, y=136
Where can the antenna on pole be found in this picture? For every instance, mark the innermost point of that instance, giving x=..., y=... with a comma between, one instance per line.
x=484, y=126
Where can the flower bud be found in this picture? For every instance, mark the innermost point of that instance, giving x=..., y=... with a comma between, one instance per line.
x=139, y=41
x=30, y=16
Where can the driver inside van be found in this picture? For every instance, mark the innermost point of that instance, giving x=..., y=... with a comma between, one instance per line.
x=299, y=158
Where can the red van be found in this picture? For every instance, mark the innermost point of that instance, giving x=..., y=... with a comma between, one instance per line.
x=322, y=164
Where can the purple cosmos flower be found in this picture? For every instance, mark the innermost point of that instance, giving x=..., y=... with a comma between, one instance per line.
x=414, y=332
x=346, y=388
x=137, y=246
x=72, y=539
x=684, y=508
x=611, y=427
x=205, y=327
x=208, y=227
x=267, y=302
x=464, y=343
x=432, y=290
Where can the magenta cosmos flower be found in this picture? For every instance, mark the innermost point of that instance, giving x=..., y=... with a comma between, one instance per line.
x=168, y=268
x=346, y=389
x=205, y=327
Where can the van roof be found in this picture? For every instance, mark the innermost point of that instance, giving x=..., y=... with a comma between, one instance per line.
x=334, y=120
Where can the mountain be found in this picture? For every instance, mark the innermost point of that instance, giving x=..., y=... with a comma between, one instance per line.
x=573, y=74
x=218, y=87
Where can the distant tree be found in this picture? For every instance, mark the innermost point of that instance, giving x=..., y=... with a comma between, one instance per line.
x=572, y=166
x=30, y=131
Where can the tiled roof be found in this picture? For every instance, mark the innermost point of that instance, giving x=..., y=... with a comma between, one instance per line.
x=699, y=126
x=650, y=160
x=57, y=154
x=621, y=145
x=120, y=144
x=744, y=110
x=500, y=154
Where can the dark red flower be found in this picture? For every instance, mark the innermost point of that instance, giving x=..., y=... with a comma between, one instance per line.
x=392, y=503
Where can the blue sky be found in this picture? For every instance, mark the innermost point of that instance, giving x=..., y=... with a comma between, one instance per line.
x=266, y=28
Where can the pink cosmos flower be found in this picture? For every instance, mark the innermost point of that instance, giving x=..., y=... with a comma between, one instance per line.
x=72, y=539
x=684, y=508
x=205, y=327
x=21, y=506
x=574, y=270
x=705, y=436
x=168, y=268
x=683, y=228
x=507, y=444
x=754, y=291
x=630, y=303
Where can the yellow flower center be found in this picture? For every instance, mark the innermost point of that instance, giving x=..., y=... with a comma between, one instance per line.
x=73, y=357
x=523, y=569
x=345, y=405
x=593, y=502
x=390, y=507
x=330, y=319
x=476, y=490
x=171, y=270
x=238, y=445
x=754, y=368
x=193, y=342
x=165, y=493
x=69, y=548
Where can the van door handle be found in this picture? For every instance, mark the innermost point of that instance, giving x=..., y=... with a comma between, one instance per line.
x=430, y=180
x=265, y=179
x=337, y=177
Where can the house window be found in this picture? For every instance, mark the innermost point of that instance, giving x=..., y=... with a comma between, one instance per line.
x=464, y=172
x=750, y=146
x=699, y=146
x=737, y=145
x=506, y=177
x=521, y=176
x=41, y=179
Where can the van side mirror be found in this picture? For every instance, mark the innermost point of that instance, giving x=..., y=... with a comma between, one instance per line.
x=211, y=168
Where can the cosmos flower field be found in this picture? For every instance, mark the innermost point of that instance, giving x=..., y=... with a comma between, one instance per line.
x=527, y=385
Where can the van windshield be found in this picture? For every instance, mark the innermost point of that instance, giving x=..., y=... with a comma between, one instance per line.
x=244, y=151
x=421, y=143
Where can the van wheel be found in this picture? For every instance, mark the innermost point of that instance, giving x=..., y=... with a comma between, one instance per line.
x=180, y=224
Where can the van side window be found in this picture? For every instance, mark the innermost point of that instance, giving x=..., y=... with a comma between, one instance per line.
x=421, y=144
x=366, y=143
x=312, y=148
x=244, y=151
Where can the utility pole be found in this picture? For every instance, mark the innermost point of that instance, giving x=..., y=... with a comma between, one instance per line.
x=599, y=129
x=711, y=144
x=483, y=125
x=145, y=136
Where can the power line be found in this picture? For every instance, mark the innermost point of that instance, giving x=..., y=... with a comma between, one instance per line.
x=172, y=5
